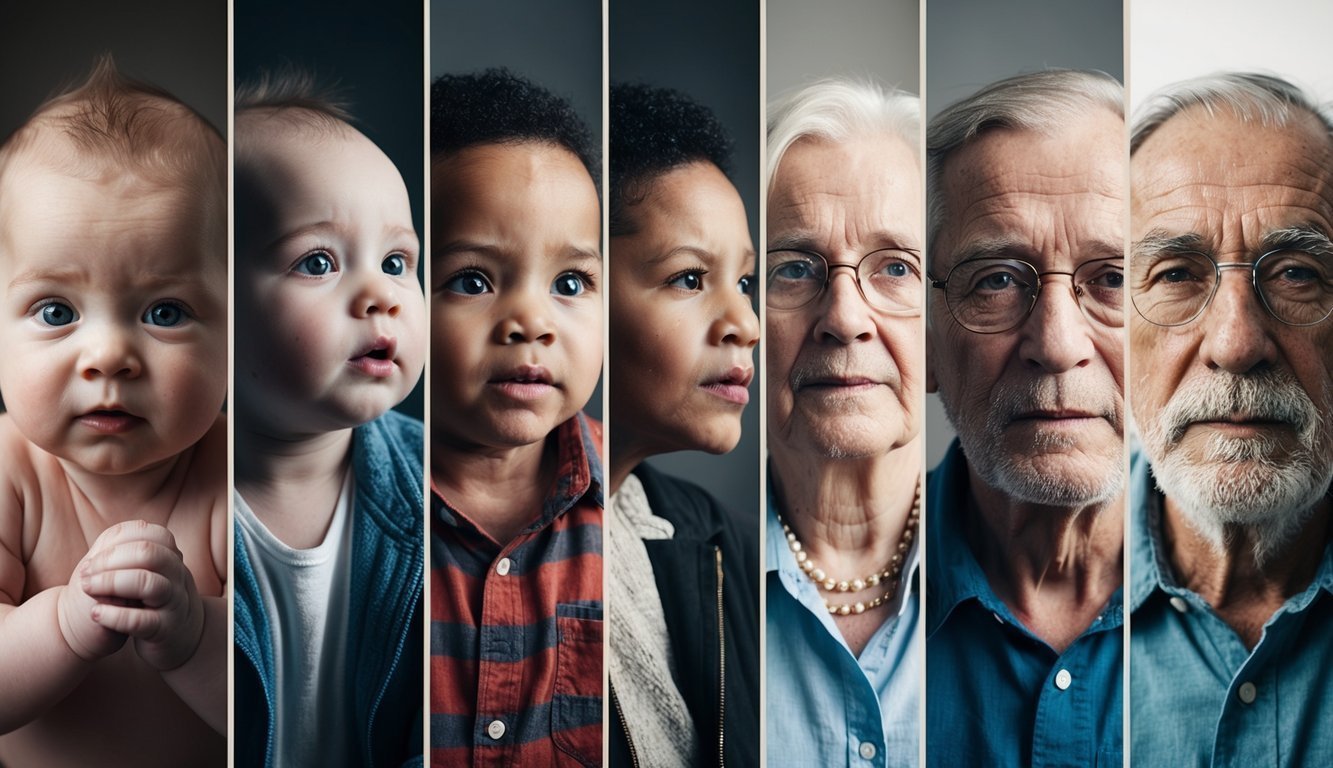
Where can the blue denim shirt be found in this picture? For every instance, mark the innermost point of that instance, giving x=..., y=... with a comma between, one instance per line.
x=825, y=706
x=1190, y=674
x=993, y=694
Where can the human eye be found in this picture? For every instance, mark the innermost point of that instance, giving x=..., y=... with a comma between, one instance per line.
x=689, y=280
x=394, y=264
x=1107, y=276
x=995, y=280
x=316, y=264
x=56, y=314
x=571, y=283
x=795, y=270
x=468, y=282
x=746, y=285
x=166, y=314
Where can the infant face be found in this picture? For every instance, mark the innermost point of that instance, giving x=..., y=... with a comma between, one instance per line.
x=114, y=325
x=330, y=314
x=516, y=293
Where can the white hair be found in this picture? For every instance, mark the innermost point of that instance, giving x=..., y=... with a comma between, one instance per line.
x=1253, y=97
x=1038, y=101
x=836, y=109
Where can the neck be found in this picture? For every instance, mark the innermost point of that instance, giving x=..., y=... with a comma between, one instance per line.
x=148, y=494
x=266, y=462
x=849, y=514
x=1242, y=588
x=499, y=489
x=626, y=454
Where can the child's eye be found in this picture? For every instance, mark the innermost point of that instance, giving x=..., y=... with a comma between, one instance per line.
x=57, y=314
x=394, y=264
x=165, y=314
x=569, y=284
x=469, y=282
x=746, y=285
x=693, y=280
x=317, y=264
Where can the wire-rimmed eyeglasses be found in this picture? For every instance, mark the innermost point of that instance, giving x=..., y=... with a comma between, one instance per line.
x=993, y=295
x=889, y=279
x=1174, y=288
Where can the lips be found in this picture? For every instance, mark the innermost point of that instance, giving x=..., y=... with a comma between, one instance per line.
x=376, y=359
x=524, y=382
x=109, y=420
x=731, y=386
x=1057, y=414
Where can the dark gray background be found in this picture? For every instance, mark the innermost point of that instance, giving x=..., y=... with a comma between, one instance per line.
x=554, y=43
x=875, y=38
x=710, y=51
x=372, y=54
x=46, y=48
x=972, y=43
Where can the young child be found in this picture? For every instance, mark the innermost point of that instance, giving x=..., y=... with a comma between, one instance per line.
x=329, y=557
x=516, y=350
x=113, y=360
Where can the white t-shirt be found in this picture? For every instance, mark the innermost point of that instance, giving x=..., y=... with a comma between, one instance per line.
x=305, y=592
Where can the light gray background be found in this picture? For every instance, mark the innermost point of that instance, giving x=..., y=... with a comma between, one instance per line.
x=554, y=43
x=972, y=43
x=875, y=38
x=710, y=51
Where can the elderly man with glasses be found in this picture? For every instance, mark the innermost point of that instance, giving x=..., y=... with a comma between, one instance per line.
x=1024, y=620
x=846, y=222
x=1231, y=346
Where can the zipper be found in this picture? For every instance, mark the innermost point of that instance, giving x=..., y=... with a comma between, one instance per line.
x=721, y=666
x=620, y=713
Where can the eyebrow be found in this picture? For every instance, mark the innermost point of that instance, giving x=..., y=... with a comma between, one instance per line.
x=68, y=276
x=573, y=252
x=1298, y=238
x=803, y=240
x=1158, y=241
x=317, y=228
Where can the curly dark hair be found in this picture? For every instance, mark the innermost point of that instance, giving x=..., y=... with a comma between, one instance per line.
x=496, y=106
x=654, y=130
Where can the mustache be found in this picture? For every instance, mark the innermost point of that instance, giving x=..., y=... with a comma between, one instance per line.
x=835, y=366
x=1270, y=395
x=1093, y=395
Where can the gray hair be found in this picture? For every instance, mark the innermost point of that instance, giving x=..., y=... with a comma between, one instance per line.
x=835, y=109
x=1252, y=97
x=1039, y=101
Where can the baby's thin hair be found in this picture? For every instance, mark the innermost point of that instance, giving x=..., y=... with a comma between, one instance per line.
x=110, y=119
x=295, y=94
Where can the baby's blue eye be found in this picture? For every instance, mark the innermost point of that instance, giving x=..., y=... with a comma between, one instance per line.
x=690, y=281
x=317, y=264
x=746, y=285
x=165, y=314
x=393, y=264
x=469, y=283
x=569, y=284
x=57, y=314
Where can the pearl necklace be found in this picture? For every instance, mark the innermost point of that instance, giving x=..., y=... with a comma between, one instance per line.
x=889, y=576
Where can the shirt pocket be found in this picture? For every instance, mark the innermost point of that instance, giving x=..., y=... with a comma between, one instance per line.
x=576, y=703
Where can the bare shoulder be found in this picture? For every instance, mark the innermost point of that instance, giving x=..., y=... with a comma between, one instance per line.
x=18, y=482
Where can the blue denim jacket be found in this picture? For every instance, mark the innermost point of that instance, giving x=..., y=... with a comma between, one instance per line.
x=384, y=646
x=1191, y=676
x=993, y=689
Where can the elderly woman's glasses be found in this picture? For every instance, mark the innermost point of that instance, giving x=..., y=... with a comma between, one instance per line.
x=992, y=295
x=1174, y=288
x=889, y=279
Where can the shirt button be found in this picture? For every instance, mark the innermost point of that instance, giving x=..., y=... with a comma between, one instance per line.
x=1179, y=604
x=1063, y=679
x=496, y=730
x=502, y=567
x=867, y=750
x=1247, y=693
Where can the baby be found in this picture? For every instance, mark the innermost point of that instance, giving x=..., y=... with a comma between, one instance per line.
x=113, y=360
x=516, y=351
x=329, y=337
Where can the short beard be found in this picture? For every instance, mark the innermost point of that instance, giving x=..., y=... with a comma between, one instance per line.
x=1016, y=475
x=1242, y=482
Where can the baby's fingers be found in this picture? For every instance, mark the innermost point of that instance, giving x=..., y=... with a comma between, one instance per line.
x=135, y=530
x=127, y=620
x=130, y=555
x=148, y=587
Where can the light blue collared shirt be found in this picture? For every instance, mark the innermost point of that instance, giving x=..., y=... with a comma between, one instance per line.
x=1198, y=696
x=827, y=707
x=999, y=695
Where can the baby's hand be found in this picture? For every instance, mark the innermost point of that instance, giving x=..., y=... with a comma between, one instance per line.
x=74, y=610
x=144, y=590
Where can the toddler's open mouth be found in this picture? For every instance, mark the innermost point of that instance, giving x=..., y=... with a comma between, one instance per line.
x=376, y=358
x=524, y=382
x=732, y=386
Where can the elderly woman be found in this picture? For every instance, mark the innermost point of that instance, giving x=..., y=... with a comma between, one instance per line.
x=681, y=571
x=845, y=375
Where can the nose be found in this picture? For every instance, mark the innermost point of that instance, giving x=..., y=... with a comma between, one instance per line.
x=526, y=319
x=1236, y=330
x=737, y=324
x=1056, y=337
x=847, y=317
x=110, y=353
x=376, y=295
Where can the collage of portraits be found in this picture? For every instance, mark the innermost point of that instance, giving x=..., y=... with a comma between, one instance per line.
x=642, y=383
